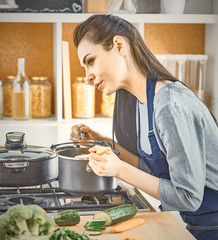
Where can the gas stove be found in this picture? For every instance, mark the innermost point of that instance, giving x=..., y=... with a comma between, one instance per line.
x=51, y=198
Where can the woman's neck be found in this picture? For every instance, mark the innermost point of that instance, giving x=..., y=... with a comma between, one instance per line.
x=135, y=83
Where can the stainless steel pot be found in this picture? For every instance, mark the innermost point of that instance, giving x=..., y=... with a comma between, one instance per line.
x=25, y=166
x=73, y=176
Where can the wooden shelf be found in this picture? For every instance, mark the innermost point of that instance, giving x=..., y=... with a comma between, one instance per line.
x=134, y=18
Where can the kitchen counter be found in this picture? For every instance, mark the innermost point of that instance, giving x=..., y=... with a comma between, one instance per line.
x=158, y=226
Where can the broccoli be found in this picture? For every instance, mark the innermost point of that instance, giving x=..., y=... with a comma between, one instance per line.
x=24, y=222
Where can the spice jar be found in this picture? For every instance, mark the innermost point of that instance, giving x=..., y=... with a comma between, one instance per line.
x=1, y=99
x=41, y=97
x=8, y=95
x=107, y=105
x=83, y=98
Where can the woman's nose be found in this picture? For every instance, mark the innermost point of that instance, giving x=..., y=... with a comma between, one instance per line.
x=89, y=79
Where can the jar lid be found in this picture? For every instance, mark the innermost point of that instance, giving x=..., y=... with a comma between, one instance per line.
x=11, y=77
x=35, y=78
x=43, y=78
x=80, y=79
x=16, y=150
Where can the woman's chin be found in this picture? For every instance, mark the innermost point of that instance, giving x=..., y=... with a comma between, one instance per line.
x=106, y=92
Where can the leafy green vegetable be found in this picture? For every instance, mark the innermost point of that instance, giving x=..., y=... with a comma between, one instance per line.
x=67, y=234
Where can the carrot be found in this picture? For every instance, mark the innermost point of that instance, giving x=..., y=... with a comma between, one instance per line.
x=127, y=225
x=43, y=209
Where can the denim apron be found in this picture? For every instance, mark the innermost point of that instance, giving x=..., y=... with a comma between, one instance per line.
x=203, y=223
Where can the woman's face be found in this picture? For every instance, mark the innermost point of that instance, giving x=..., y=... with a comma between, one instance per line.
x=107, y=70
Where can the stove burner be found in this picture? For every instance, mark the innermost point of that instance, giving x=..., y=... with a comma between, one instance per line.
x=21, y=200
x=92, y=199
x=53, y=199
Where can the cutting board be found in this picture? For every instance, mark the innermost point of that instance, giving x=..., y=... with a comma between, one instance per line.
x=158, y=226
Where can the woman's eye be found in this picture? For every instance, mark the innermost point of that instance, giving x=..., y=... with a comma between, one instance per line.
x=90, y=62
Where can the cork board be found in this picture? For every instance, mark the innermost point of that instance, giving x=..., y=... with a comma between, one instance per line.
x=75, y=68
x=32, y=41
x=175, y=38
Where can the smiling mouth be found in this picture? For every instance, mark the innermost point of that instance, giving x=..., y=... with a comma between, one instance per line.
x=97, y=85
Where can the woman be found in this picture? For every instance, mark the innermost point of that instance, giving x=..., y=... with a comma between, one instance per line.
x=167, y=138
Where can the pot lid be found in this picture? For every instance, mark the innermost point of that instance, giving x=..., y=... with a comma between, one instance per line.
x=79, y=144
x=16, y=149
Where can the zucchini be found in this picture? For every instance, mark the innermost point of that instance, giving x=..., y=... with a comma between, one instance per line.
x=116, y=214
x=95, y=225
x=67, y=218
x=92, y=233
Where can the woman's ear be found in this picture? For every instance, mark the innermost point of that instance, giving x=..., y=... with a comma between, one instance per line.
x=120, y=45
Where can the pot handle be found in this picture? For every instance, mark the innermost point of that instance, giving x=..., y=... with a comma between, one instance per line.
x=18, y=167
x=57, y=146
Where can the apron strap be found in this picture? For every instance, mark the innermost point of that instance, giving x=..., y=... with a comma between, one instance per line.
x=150, y=90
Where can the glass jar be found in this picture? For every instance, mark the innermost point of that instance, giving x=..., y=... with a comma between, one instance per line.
x=41, y=97
x=21, y=94
x=8, y=95
x=83, y=99
x=107, y=105
x=1, y=99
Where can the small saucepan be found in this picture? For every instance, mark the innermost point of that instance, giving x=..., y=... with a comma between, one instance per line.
x=73, y=176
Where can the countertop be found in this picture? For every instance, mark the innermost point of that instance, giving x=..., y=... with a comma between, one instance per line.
x=158, y=226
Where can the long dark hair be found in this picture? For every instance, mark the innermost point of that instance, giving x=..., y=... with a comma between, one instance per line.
x=101, y=29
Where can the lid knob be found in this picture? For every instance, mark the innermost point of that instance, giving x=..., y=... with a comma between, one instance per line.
x=15, y=140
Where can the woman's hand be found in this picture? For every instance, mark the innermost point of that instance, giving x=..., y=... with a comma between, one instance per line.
x=107, y=164
x=89, y=133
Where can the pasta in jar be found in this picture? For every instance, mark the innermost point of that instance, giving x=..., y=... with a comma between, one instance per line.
x=41, y=97
x=83, y=99
x=7, y=96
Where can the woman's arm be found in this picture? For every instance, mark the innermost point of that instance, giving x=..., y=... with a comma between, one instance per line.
x=110, y=165
x=124, y=154
x=140, y=179
x=94, y=135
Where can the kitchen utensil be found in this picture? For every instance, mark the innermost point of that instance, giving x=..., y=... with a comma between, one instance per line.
x=83, y=137
x=22, y=165
x=73, y=176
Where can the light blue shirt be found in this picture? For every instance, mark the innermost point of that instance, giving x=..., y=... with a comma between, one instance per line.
x=188, y=136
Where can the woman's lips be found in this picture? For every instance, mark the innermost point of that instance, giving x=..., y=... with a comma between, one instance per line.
x=98, y=85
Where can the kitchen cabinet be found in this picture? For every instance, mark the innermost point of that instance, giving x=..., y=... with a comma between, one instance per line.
x=55, y=129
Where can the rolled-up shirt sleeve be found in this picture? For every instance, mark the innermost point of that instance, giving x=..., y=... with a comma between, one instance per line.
x=180, y=135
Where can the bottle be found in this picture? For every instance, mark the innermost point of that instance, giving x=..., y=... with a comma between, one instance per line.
x=21, y=94
x=7, y=89
x=83, y=99
x=1, y=99
x=41, y=97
